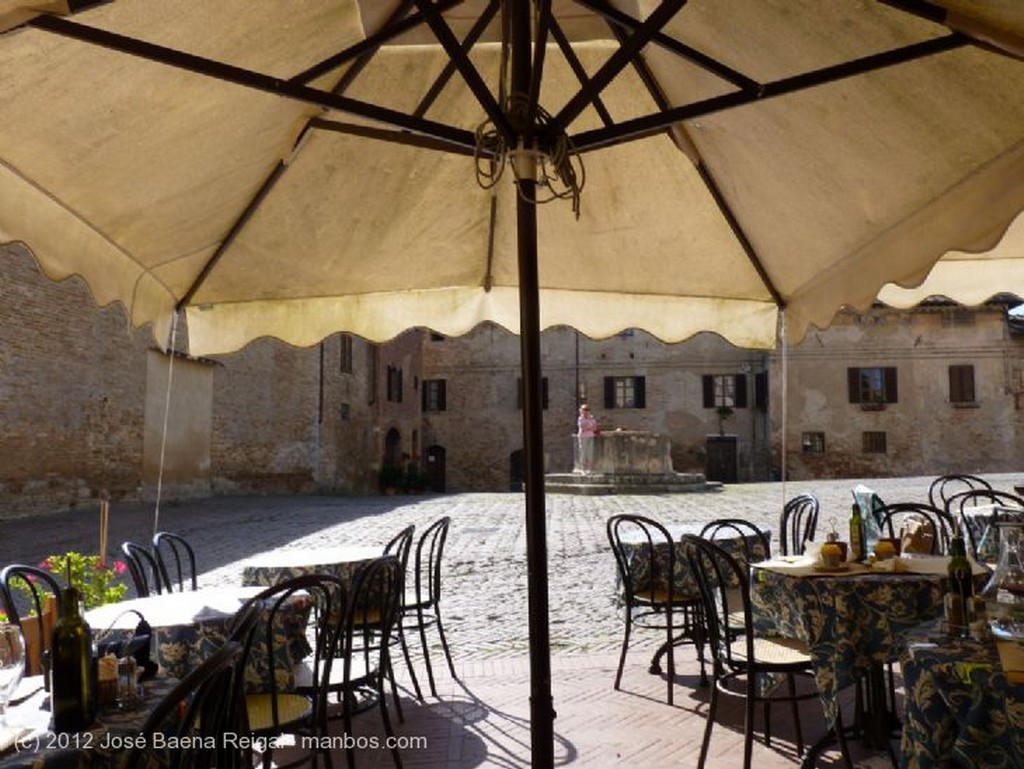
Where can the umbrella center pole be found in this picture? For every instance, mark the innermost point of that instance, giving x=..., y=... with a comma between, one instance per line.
x=541, y=702
x=542, y=715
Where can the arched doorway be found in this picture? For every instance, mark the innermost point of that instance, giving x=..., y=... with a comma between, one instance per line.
x=515, y=470
x=393, y=448
x=436, y=457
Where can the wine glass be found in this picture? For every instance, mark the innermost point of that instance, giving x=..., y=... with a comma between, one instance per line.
x=1004, y=593
x=12, y=664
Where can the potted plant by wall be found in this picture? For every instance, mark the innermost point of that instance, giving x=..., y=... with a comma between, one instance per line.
x=98, y=582
x=724, y=414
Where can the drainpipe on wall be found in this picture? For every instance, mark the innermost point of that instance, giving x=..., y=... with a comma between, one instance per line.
x=579, y=395
x=318, y=427
x=747, y=370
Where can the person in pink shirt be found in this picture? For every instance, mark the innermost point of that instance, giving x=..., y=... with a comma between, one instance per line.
x=586, y=430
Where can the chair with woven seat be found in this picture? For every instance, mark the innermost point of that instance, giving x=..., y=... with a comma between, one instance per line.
x=400, y=546
x=747, y=543
x=361, y=657
x=923, y=528
x=144, y=569
x=740, y=656
x=740, y=538
x=176, y=560
x=980, y=530
x=289, y=698
x=193, y=718
x=945, y=486
x=421, y=606
x=657, y=592
x=24, y=590
x=797, y=524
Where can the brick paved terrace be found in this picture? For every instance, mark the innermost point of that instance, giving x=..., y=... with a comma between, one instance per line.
x=482, y=719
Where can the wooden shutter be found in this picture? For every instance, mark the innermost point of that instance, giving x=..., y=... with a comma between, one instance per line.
x=741, y=391
x=761, y=390
x=640, y=392
x=891, y=394
x=853, y=384
x=708, y=383
x=961, y=384
x=609, y=392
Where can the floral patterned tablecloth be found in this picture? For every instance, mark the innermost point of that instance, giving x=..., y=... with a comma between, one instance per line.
x=959, y=708
x=96, y=748
x=188, y=627
x=276, y=566
x=850, y=621
x=684, y=583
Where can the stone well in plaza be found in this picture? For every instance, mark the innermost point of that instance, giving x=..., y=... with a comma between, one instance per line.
x=627, y=462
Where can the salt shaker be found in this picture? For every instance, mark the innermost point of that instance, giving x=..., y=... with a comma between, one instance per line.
x=127, y=683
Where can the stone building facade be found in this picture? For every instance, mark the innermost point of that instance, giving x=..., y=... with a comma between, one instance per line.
x=72, y=391
x=83, y=400
x=84, y=406
x=631, y=381
x=935, y=390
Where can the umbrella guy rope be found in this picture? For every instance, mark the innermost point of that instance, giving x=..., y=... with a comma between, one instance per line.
x=167, y=413
x=785, y=383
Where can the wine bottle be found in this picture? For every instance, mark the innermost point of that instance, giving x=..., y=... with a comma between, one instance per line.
x=857, y=535
x=72, y=692
x=961, y=586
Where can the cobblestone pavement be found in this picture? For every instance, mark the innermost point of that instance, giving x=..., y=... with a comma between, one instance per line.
x=485, y=565
x=482, y=718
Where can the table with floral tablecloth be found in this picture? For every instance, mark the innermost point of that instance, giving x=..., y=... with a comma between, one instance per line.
x=745, y=549
x=959, y=707
x=188, y=627
x=98, y=747
x=852, y=621
x=276, y=566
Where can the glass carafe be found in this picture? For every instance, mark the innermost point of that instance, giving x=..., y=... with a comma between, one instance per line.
x=1004, y=593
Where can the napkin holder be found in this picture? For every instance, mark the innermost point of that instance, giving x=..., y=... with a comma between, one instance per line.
x=137, y=646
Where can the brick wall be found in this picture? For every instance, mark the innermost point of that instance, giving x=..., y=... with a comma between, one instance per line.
x=72, y=385
x=73, y=418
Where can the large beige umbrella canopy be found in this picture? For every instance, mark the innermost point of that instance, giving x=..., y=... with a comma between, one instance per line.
x=969, y=277
x=295, y=168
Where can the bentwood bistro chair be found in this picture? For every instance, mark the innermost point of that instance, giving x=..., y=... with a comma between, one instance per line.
x=176, y=560
x=797, y=524
x=421, y=605
x=742, y=659
x=144, y=569
x=655, y=592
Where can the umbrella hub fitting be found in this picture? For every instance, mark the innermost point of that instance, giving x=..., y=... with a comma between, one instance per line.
x=525, y=160
x=549, y=160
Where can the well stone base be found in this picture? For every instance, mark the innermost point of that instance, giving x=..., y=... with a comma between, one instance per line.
x=596, y=484
x=626, y=462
